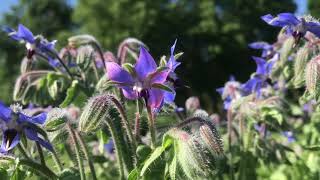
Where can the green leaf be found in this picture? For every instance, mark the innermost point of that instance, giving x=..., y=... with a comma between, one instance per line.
x=129, y=67
x=134, y=174
x=71, y=93
x=154, y=156
x=163, y=87
x=69, y=174
x=163, y=61
x=177, y=56
x=173, y=168
x=38, y=168
x=18, y=174
x=54, y=124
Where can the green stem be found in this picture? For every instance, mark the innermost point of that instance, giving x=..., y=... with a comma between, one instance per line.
x=151, y=127
x=56, y=160
x=125, y=120
x=117, y=144
x=43, y=170
x=78, y=153
x=23, y=152
x=137, y=122
x=42, y=161
x=86, y=154
x=98, y=47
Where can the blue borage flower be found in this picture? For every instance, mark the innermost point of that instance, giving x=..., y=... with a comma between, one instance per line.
x=143, y=82
x=109, y=147
x=33, y=43
x=14, y=123
x=296, y=26
x=231, y=91
x=289, y=135
x=259, y=79
x=172, y=79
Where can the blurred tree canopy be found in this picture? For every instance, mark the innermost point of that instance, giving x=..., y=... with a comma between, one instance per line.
x=314, y=8
x=213, y=34
x=49, y=18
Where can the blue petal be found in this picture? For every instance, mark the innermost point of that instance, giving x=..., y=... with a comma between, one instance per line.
x=129, y=93
x=260, y=45
x=45, y=144
x=118, y=74
x=314, y=28
x=159, y=77
x=261, y=65
x=25, y=34
x=145, y=64
x=169, y=97
x=40, y=118
x=220, y=90
x=282, y=20
x=156, y=97
x=5, y=112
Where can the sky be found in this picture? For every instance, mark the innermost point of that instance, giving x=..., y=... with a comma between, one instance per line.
x=5, y=5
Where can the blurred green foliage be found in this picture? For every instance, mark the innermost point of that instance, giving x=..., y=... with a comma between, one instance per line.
x=213, y=34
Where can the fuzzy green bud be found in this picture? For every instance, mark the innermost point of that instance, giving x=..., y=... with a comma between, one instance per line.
x=84, y=39
x=211, y=139
x=85, y=56
x=96, y=110
x=312, y=76
x=300, y=63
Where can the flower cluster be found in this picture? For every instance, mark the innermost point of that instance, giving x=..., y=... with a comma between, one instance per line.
x=14, y=124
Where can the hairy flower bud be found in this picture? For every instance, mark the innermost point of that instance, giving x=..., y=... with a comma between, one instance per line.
x=26, y=65
x=192, y=103
x=131, y=46
x=211, y=138
x=76, y=41
x=56, y=119
x=85, y=56
x=24, y=81
x=312, y=76
x=299, y=66
x=96, y=110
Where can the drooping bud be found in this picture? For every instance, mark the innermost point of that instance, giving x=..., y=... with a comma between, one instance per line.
x=131, y=46
x=84, y=39
x=192, y=103
x=96, y=110
x=312, y=76
x=24, y=81
x=212, y=139
x=85, y=56
x=299, y=66
x=26, y=65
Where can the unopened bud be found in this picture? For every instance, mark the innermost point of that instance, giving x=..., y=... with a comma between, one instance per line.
x=286, y=49
x=85, y=56
x=131, y=46
x=192, y=103
x=212, y=139
x=24, y=81
x=299, y=66
x=95, y=112
x=312, y=76
x=76, y=41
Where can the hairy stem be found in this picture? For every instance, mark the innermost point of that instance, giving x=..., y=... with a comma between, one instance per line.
x=98, y=47
x=86, y=154
x=42, y=161
x=23, y=152
x=56, y=160
x=151, y=127
x=117, y=144
x=78, y=151
x=137, y=122
x=125, y=120
x=43, y=170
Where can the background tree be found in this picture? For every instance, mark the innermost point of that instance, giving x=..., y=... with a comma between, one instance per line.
x=314, y=7
x=49, y=18
x=213, y=34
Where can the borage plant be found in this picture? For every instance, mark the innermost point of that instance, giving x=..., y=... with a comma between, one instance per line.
x=100, y=115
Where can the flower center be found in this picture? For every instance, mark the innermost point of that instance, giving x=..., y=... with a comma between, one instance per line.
x=138, y=87
x=9, y=135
